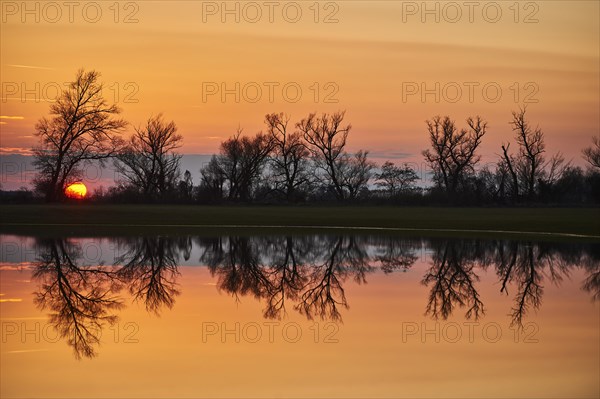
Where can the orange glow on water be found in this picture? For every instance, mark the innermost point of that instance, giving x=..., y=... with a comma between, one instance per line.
x=76, y=191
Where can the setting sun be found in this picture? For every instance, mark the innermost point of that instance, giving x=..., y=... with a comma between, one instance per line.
x=76, y=190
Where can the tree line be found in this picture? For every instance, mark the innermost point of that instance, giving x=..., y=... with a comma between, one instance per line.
x=302, y=161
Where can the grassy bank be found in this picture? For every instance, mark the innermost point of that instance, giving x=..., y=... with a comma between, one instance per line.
x=139, y=219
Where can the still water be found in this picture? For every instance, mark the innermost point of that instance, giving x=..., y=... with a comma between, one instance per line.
x=298, y=316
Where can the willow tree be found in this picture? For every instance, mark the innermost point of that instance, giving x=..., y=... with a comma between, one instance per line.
x=83, y=128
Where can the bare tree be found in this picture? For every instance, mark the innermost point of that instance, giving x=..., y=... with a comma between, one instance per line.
x=241, y=162
x=507, y=165
x=453, y=155
x=290, y=158
x=83, y=128
x=148, y=162
x=531, y=150
x=326, y=138
x=356, y=171
x=212, y=181
x=186, y=186
x=396, y=179
x=592, y=153
x=529, y=168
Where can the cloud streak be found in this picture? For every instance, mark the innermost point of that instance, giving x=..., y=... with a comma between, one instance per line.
x=29, y=67
x=15, y=150
x=12, y=117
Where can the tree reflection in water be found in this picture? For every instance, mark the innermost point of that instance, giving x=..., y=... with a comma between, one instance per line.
x=306, y=272
x=452, y=278
x=81, y=299
x=149, y=267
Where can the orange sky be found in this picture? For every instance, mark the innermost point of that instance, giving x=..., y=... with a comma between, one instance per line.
x=365, y=61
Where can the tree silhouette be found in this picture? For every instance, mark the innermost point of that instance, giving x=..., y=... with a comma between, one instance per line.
x=289, y=159
x=212, y=184
x=326, y=138
x=356, y=171
x=453, y=153
x=241, y=162
x=148, y=161
x=83, y=128
x=592, y=154
x=529, y=168
x=395, y=179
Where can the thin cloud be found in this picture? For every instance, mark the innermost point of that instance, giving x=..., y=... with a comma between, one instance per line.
x=390, y=154
x=15, y=150
x=29, y=67
x=12, y=117
x=28, y=351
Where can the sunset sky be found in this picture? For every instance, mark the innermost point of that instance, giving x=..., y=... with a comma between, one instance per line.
x=170, y=53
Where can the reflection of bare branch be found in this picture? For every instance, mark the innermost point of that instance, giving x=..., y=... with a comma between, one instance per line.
x=324, y=292
x=237, y=265
x=287, y=277
x=396, y=255
x=453, y=278
x=150, y=267
x=506, y=263
x=522, y=264
x=304, y=273
x=80, y=298
x=529, y=287
x=308, y=270
x=592, y=281
x=355, y=260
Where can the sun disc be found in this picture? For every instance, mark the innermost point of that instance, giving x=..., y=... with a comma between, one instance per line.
x=76, y=190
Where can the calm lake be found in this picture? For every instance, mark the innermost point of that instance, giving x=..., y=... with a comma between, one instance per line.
x=330, y=315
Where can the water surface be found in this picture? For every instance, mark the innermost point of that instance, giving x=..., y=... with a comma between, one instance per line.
x=298, y=316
